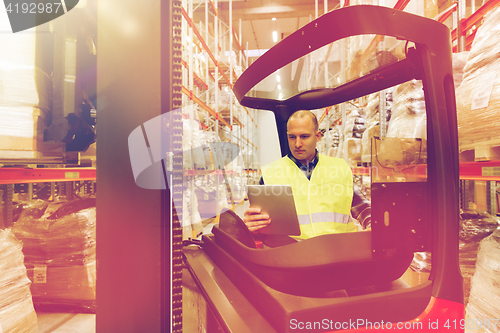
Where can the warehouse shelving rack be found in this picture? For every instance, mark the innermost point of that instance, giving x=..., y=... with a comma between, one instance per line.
x=462, y=37
x=212, y=55
x=466, y=30
x=487, y=171
x=67, y=181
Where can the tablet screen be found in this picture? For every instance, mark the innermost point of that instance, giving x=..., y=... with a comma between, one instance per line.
x=277, y=202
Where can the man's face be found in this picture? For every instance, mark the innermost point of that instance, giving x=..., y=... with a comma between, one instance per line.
x=302, y=138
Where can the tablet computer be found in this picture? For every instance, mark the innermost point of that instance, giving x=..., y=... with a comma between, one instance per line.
x=277, y=202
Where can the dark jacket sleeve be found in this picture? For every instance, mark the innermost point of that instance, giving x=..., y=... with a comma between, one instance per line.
x=361, y=208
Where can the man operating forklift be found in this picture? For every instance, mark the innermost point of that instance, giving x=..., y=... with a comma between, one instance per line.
x=322, y=186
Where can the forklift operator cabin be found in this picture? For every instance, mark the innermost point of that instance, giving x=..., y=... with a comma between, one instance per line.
x=333, y=279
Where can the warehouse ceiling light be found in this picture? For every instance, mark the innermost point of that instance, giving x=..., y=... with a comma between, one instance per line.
x=275, y=32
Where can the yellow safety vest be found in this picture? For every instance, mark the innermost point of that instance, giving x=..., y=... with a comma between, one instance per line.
x=323, y=203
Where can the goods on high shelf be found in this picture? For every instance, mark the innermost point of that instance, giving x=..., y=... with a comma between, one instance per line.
x=329, y=142
x=459, y=60
x=221, y=177
x=478, y=97
x=474, y=226
x=353, y=130
x=360, y=64
x=17, y=314
x=59, y=253
x=372, y=122
x=21, y=128
x=404, y=144
x=408, y=118
x=484, y=301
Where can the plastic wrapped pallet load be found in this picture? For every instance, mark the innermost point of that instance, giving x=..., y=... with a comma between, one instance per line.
x=408, y=119
x=483, y=310
x=405, y=144
x=353, y=130
x=459, y=60
x=17, y=314
x=372, y=124
x=59, y=250
x=22, y=125
x=474, y=226
x=478, y=97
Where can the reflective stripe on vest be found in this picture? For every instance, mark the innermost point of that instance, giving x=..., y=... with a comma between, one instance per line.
x=325, y=217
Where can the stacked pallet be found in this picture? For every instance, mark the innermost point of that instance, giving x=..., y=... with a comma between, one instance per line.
x=17, y=314
x=484, y=301
x=22, y=125
x=353, y=131
x=59, y=250
x=372, y=122
x=475, y=226
x=478, y=97
x=408, y=118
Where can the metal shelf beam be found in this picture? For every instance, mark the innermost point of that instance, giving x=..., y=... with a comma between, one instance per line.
x=45, y=175
x=488, y=171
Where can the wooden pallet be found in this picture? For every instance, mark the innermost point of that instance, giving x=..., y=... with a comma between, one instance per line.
x=480, y=154
x=46, y=152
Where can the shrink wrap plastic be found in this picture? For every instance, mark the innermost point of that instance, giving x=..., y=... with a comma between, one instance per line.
x=206, y=191
x=478, y=97
x=191, y=219
x=352, y=150
x=200, y=192
x=372, y=123
x=406, y=126
x=193, y=144
x=458, y=61
x=20, y=126
x=355, y=124
x=408, y=118
x=193, y=141
x=17, y=314
x=354, y=127
x=66, y=240
x=484, y=301
x=474, y=226
x=59, y=246
x=330, y=149
x=17, y=68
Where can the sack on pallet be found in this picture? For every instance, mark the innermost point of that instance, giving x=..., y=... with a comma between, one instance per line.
x=478, y=97
x=59, y=249
x=17, y=313
x=484, y=300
